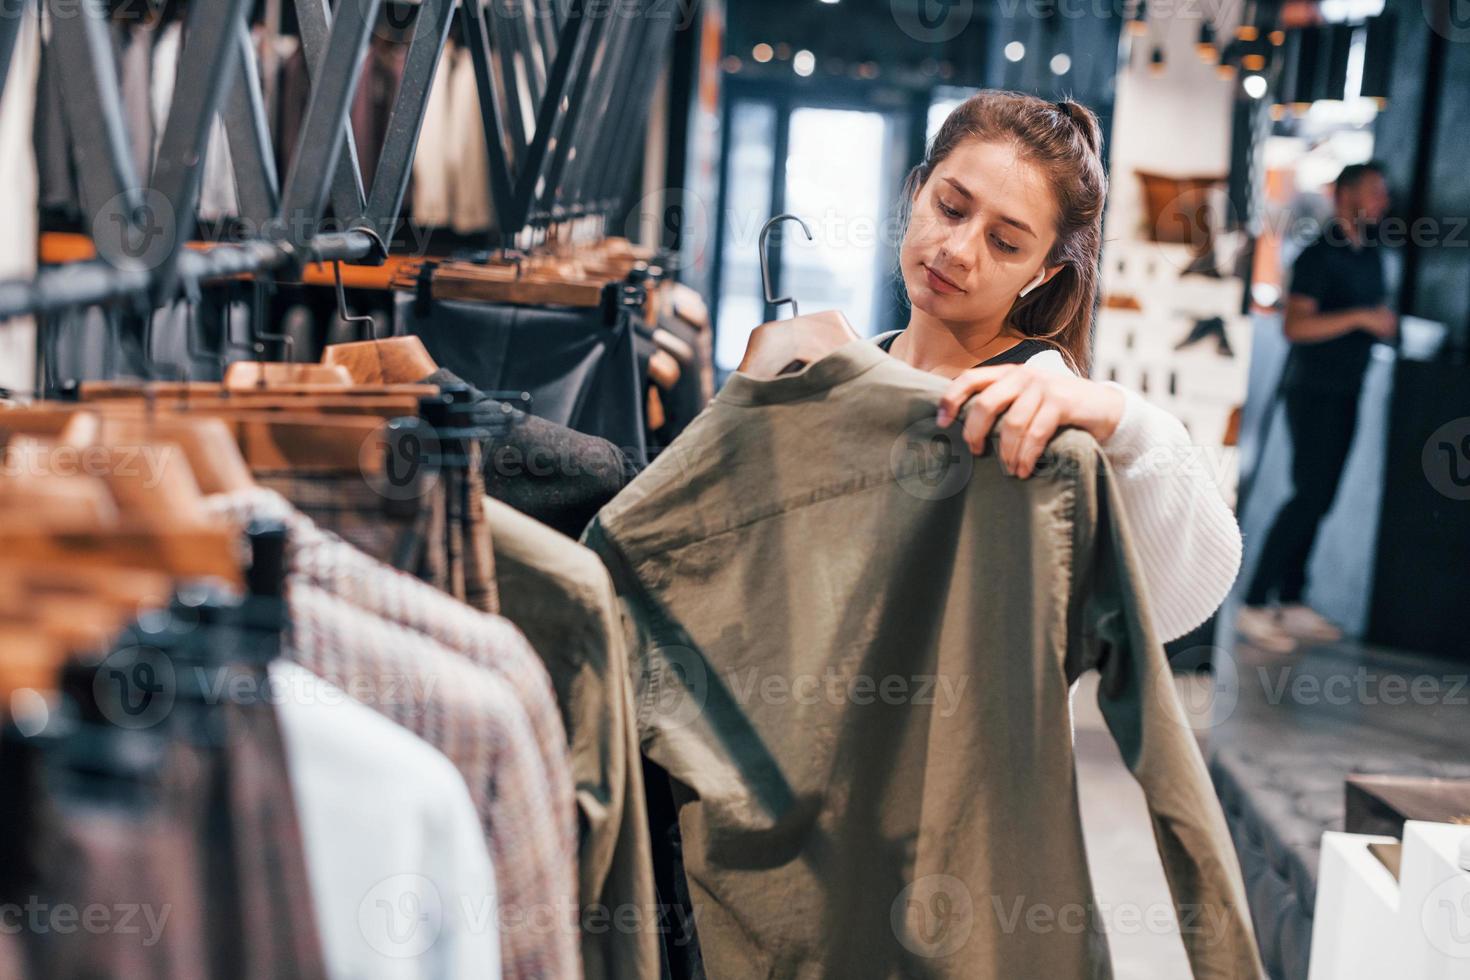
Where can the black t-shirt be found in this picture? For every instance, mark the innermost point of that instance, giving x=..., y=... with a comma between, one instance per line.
x=1339, y=277
x=1019, y=354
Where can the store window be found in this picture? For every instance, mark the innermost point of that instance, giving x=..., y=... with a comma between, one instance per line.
x=839, y=268
x=747, y=204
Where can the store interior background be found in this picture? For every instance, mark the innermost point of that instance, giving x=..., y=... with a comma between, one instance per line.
x=1224, y=123
x=820, y=109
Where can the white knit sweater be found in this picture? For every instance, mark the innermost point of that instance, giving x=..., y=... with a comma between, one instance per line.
x=1187, y=538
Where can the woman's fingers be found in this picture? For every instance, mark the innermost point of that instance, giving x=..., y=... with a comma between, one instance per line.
x=1044, y=425
x=963, y=387
x=988, y=405
x=1015, y=424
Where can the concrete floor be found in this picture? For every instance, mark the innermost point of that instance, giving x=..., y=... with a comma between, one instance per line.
x=1128, y=880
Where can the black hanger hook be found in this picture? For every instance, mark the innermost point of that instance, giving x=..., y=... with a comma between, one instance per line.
x=766, y=259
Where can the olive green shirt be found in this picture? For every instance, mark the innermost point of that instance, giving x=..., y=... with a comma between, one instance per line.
x=559, y=594
x=856, y=642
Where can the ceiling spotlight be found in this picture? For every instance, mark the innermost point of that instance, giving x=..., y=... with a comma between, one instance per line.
x=1061, y=64
x=1015, y=51
x=1255, y=86
x=762, y=53
x=732, y=63
x=804, y=63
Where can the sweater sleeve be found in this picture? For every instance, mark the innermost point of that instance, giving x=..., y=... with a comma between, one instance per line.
x=1187, y=538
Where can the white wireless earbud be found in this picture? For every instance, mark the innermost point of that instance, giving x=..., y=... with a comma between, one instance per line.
x=1040, y=277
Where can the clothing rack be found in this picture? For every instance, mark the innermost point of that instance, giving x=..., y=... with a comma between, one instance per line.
x=589, y=78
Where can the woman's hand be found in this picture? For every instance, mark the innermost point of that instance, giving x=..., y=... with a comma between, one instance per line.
x=1036, y=403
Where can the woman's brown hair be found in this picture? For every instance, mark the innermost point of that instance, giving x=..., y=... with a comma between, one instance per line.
x=1065, y=140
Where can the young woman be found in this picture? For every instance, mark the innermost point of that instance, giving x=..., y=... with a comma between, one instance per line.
x=1003, y=230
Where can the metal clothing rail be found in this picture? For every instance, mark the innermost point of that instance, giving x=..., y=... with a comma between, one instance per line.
x=95, y=282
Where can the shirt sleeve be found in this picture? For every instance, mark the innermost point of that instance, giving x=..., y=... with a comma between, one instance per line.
x=1110, y=631
x=1187, y=538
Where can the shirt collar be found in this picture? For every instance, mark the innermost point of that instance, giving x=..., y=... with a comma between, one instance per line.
x=843, y=364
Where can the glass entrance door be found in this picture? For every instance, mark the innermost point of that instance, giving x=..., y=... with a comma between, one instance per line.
x=839, y=169
x=835, y=182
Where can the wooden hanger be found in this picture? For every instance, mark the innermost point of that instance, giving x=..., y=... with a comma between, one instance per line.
x=783, y=346
x=395, y=360
x=248, y=375
x=507, y=283
x=264, y=440
x=387, y=361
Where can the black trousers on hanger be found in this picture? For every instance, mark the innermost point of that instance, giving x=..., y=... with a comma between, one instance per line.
x=580, y=370
x=1322, y=424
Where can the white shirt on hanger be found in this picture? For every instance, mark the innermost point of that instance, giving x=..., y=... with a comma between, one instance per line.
x=401, y=880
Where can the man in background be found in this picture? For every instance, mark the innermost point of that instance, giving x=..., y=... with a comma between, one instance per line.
x=1335, y=312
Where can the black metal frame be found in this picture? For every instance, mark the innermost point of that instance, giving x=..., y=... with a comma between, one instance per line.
x=559, y=143
x=518, y=154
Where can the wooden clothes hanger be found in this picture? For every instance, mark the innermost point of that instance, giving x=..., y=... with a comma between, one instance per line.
x=392, y=360
x=783, y=346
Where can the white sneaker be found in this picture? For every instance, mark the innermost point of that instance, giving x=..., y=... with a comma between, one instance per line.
x=1261, y=625
x=1305, y=623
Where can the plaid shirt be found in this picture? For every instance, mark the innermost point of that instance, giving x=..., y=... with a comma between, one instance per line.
x=473, y=717
x=323, y=568
x=442, y=536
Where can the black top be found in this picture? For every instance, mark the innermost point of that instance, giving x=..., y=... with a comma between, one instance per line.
x=1019, y=354
x=1338, y=276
